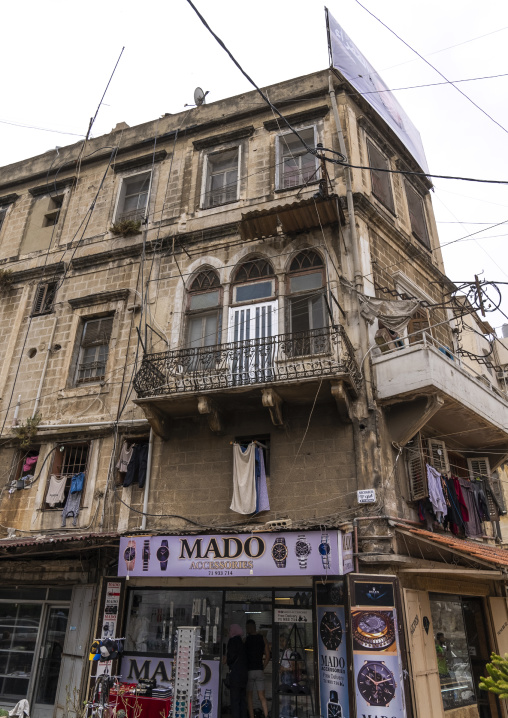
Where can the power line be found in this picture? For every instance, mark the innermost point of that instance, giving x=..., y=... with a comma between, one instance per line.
x=42, y=129
x=429, y=84
x=427, y=62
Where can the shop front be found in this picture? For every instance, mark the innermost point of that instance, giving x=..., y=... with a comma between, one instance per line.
x=261, y=585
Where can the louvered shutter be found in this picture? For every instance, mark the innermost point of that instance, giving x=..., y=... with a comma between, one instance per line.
x=497, y=488
x=3, y=212
x=97, y=332
x=438, y=456
x=417, y=215
x=39, y=299
x=480, y=467
x=416, y=471
x=44, y=298
x=381, y=187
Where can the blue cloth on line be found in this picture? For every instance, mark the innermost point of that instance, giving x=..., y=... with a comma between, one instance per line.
x=262, y=500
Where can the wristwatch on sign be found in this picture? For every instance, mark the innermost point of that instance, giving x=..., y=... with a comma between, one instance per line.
x=373, y=630
x=162, y=554
x=324, y=550
x=280, y=552
x=330, y=630
x=206, y=703
x=334, y=707
x=146, y=554
x=130, y=555
x=302, y=549
x=376, y=683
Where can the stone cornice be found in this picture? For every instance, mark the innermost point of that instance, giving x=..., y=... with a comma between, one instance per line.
x=8, y=199
x=91, y=300
x=50, y=187
x=313, y=113
x=48, y=272
x=232, y=136
x=140, y=161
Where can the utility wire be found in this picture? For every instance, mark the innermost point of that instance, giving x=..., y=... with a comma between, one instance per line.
x=429, y=84
x=427, y=62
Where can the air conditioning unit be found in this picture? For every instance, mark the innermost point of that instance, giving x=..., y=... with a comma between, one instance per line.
x=280, y=524
x=502, y=375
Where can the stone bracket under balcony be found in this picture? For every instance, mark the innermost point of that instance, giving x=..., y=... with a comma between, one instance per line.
x=271, y=372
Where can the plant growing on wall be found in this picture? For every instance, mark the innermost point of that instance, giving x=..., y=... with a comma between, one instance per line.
x=5, y=279
x=27, y=431
x=497, y=680
x=126, y=227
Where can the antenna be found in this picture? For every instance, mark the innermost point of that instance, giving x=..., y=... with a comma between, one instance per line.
x=199, y=96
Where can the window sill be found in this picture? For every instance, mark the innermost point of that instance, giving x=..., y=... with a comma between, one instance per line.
x=314, y=183
x=88, y=390
x=217, y=207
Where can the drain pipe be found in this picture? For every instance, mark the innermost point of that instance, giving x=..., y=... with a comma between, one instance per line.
x=147, y=482
x=43, y=375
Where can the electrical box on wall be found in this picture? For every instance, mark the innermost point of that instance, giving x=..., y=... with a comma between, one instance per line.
x=187, y=666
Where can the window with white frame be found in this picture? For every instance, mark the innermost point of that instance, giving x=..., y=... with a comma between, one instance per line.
x=296, y=164
x=94, y=350
x=221, y=184
x=133, y=198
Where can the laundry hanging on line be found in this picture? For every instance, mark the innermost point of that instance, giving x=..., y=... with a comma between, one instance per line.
x=250, y=492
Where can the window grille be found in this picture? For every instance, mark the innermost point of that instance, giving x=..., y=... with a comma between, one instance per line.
x=67, y=463
x=94, y=350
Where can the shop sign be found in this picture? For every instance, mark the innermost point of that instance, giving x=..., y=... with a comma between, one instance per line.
x=347, y=553
x=332, y=651
x=366, y=496
x=134, y=668
x=292, y=615
x=307, y=553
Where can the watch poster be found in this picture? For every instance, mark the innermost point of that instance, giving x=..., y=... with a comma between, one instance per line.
x=109, y=619
x=377, y=665
x=134, y=668
x=332, y=650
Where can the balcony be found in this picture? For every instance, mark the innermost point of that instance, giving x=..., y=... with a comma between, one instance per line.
x=285, y=367
x=470, y=409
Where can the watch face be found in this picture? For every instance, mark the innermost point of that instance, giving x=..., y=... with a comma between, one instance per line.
x=279, y=551
x=330, y=630
x=129, y=554
x=373, y=630
x=302, y=548
x=146, y=552
x=334, y=710
x=206, y=706
x=324, y=549
x=162, y=553
x=376, y=683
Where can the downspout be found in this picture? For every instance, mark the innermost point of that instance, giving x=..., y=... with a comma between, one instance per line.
x=147, y=482
x=43, y=375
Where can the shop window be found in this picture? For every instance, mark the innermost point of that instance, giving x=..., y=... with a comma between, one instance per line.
x=69, y=460
x=296, y=164
x=94, y=350
x=44, y=298
x=133, y=198
x=204, y=310
x=381, y=181
x=306, y=310
x=417, y=215
x=19, y=629
x=153, y=618
x=221, y=184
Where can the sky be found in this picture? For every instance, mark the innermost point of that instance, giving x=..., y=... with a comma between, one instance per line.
x=58, y=56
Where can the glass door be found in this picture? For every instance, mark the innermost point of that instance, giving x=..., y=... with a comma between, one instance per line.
x=19, y=627
x=49, y=661
x=253, y=330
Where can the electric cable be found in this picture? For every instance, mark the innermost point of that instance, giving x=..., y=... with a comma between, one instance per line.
x=429, y=84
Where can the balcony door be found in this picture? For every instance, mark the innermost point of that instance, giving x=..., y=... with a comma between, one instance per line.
x=252, y=330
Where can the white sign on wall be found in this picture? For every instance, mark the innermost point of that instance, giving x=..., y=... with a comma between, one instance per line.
x=292, y=615
x=366, y=496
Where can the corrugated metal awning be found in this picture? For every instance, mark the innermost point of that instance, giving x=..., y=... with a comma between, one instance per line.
x=291, y=218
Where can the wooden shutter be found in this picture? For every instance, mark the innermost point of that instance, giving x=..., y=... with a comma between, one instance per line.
x=497, y=488
x=479, y=467
x=419, y=322
x=417, y=215
x=97, y=332
x=3, y=212
x=44, y=298
x=422, y=655
x=438, y=456
x=416, y=470
x=381, y=185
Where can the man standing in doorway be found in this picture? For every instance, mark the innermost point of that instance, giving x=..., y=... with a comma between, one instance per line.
x=258, y=656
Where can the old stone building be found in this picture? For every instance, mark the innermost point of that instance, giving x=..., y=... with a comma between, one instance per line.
x=176, y=291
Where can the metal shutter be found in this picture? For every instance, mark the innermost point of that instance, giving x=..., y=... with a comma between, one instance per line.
x=97, y=332
x=416, y=471
x=438, y=456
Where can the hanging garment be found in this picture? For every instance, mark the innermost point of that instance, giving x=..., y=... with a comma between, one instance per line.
x=481, y=499
x=454, y=517
x=71, y=508
x=56, y=490
x=77, y=483
x=136, y=470
x=460, y=497
x=262, y=500
x=244, y=479
x=125, y=457
x=394, y=314
x=30, y=462
x=21, y=709
x=474, y=525
x=435, y=490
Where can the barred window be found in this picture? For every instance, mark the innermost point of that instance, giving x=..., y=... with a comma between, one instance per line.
x=94, y=350
x=69, y=460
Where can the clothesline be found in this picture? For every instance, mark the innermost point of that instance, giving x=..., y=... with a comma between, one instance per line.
x=246, y=443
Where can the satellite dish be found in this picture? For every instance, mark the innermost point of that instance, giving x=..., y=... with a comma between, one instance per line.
x=199, y=96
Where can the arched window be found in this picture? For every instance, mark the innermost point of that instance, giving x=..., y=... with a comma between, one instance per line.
x=204, y=310
x=254, y=280
x=306, y=298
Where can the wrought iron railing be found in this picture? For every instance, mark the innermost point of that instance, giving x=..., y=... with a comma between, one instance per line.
x=282, y=358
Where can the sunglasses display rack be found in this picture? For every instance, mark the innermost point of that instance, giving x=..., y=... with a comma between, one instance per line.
x=187, y=669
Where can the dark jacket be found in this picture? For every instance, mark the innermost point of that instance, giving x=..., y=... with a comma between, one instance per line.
x=236, y=658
